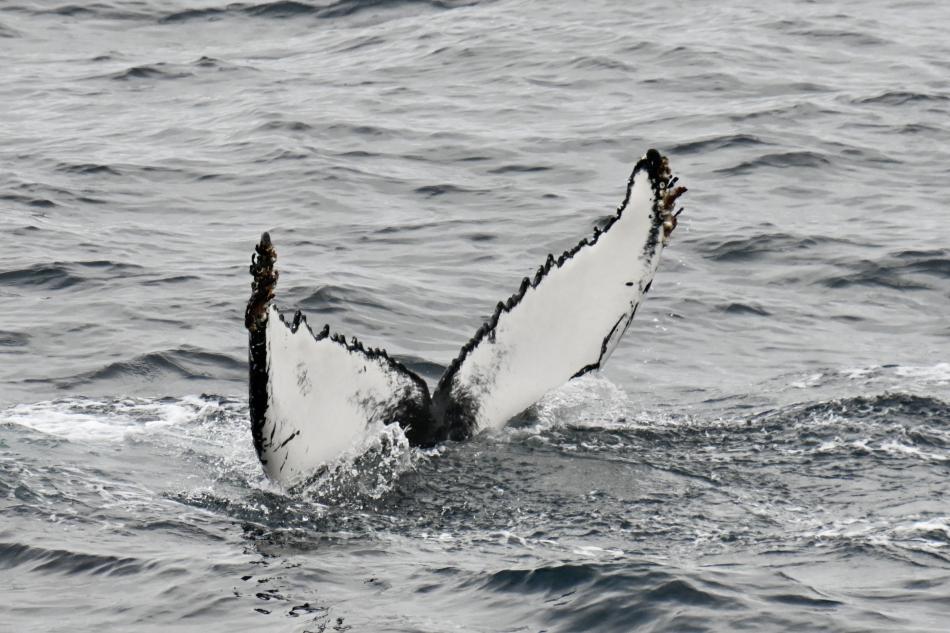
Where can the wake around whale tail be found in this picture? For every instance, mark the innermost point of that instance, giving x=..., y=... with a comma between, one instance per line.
x=315, y=395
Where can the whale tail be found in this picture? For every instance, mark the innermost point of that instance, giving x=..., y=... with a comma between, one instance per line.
x=313, y=395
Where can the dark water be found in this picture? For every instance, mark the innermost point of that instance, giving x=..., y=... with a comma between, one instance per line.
x=768, y=449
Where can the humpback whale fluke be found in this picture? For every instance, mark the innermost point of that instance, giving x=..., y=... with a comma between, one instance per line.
x=312, y=396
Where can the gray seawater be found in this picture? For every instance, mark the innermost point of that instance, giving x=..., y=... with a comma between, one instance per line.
x=768, y=449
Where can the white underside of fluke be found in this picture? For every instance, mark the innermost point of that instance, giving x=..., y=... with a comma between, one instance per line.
x=322, y=398
x=572, y=320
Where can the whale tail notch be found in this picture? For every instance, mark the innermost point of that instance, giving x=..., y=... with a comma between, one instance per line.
x=312, y=396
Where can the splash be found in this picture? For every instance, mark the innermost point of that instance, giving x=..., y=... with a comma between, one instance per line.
x=110, y=420
x=367, y=470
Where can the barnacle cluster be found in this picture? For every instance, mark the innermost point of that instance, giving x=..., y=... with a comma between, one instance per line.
x=668, y=193
x=262, y=286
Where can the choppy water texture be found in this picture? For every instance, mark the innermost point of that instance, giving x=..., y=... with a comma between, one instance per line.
x=768, y=449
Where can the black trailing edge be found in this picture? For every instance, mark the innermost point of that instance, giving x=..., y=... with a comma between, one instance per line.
x=255, y=320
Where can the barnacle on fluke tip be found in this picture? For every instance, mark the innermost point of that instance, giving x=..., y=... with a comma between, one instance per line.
x=313, y=396
x=263, y=284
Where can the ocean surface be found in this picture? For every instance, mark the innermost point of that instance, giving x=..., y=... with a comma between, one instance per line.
x=767, y=450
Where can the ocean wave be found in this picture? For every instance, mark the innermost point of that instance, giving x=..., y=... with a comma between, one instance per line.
x=87, y=169
x=172, y=279
x=58, y=561
x=284, y=126
x=330, y=299
x=898, y=537
x=13, y=339
x=185, y=362
x=61, y=275
x=162, y=71
x=507, y=169
x=880, y=406
x=920, y=128
x=803, y=159
x=115, y=419
x=901, y=270
x=763, y=245
x=599, y=62
x=443, y=189
x=938, y=374
x=206, y=62
x=284, y=9
x=841, y=36
x=642, y=595
x=8, y=32
x=890, y=426
x=894, y=425
x=900, y=98
x=51, y=276
x=744, y=309
x=279, y=9
x=919, y=380
x=151, y=71
x=716, y=143
x=31, y=201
